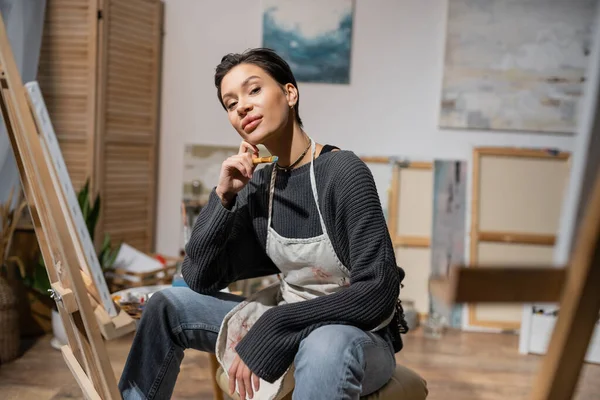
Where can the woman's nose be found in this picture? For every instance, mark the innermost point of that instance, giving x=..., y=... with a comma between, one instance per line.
x=244, y=107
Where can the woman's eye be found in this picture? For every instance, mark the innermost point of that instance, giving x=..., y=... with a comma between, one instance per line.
x=255, y=90
x=231, y=105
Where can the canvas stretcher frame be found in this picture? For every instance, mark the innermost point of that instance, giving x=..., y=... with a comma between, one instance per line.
x=413, y=249
x=477, y=235
x=394, y=195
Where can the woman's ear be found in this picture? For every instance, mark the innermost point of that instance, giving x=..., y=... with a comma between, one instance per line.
x=291, y=94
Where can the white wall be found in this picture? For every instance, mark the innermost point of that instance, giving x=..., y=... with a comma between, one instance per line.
x=390, y=106
x=24, y=22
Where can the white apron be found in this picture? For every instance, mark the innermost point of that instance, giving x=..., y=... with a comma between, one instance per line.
x=309, y=268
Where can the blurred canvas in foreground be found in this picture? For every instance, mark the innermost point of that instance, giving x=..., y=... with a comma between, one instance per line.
x=516, y=65
x=314, y=37
x=448, y=228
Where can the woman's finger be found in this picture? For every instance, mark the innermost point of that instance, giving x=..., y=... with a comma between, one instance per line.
x=245, y=146
x=256, y=381
x=232, y=374
x=244, y=168
x=240, y=383
x=247, y=384
x=247, y=160
x=237, y=163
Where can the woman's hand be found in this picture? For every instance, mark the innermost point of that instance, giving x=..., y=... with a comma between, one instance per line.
x=246, y=380
x=236, y=172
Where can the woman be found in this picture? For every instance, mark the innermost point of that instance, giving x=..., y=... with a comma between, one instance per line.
x=315, y=219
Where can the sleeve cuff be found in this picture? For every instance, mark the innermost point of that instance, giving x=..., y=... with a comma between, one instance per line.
x=215, y=201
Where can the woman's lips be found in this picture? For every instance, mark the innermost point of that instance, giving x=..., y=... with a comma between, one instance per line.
x=249, y=127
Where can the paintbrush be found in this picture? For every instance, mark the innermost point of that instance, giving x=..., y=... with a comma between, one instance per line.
x=263, y=160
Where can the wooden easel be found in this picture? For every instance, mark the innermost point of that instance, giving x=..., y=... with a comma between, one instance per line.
x=79, y=289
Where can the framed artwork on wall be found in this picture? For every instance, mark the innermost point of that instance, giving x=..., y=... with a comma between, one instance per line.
x=515, y=65
x=314, y=37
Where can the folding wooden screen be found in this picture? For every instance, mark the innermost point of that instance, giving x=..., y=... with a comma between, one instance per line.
x=126, y=172
x=67, y=78
x=100, y=75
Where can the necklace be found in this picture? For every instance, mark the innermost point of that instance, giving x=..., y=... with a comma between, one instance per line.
x=290, y=167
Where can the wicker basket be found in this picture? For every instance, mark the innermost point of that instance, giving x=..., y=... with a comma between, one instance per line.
x=9, y=324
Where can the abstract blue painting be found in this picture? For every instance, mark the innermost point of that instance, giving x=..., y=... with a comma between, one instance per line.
x=314, y=37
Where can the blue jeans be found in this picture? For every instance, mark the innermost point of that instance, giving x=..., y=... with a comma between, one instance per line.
x=333, y=362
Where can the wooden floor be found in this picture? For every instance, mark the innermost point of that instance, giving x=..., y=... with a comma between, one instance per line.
x=464, y=366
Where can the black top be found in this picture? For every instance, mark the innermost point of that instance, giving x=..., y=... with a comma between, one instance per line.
x=327, y=148
x=229, y=245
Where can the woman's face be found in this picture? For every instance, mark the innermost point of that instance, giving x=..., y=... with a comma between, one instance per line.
x=257, y=106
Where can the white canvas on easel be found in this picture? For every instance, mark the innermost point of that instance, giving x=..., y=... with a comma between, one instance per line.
x=92, y=267
x=536, y=329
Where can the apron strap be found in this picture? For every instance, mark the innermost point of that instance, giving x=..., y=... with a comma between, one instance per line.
x=271, y=191
x=313, y=184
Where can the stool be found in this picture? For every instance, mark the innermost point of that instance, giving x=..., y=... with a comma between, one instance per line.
x=405, y=384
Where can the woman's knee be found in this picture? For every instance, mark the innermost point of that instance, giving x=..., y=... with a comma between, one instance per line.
x=159, y=302
x=330, y=345
x=162, y=307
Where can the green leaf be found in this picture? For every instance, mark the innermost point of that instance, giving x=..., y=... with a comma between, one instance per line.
x=95, y=212
x=86, y=209
x=107, y=255
x=113, y=256
x=82, y=196
x=106, y=243
x=41, y=283
x=104, y=259
x=92, y=217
